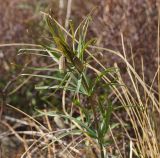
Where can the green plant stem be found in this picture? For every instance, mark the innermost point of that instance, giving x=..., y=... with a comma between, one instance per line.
x=101, y=149
x=92, y=102
x=100, y=141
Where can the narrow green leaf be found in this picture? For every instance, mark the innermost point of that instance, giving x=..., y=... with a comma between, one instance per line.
x=43, y=76
x=90, y=132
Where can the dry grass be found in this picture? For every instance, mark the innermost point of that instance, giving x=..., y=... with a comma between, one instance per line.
x=142, y=106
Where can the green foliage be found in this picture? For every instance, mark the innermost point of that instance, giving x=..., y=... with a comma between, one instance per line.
x=76, y=79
